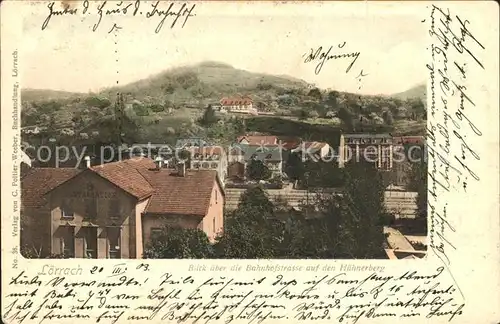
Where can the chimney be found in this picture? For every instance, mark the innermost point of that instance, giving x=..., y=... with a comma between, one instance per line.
x=158, y=162
x=181, y=169
x=87, y=161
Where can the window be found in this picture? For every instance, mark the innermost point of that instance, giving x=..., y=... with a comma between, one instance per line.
x=213, y=224
x=67, y=211
x=90, y=242
x=114, y=209
x=216, y=196
x=68, y=242
x=196, y=165
x=205, y=165
x=214, y=165
x=114, y=242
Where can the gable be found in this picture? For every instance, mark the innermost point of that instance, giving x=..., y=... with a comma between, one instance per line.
x=87, y=185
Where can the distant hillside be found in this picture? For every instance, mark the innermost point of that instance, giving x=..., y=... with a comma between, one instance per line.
x=168, y=105
x=419, y=92
x=206, y=81
x=45, y=95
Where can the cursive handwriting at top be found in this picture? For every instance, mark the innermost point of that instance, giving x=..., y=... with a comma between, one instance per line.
x=321, y=56
x=133, y=8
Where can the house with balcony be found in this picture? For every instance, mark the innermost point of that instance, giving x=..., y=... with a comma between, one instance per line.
x=374, y=148
x=240, y=156
x=113, y=210
x=209, y=158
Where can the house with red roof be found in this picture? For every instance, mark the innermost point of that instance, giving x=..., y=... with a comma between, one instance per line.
x=238, y=104
x=113, y=210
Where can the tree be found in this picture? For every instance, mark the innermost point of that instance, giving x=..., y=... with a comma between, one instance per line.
x=313, y=114
x=354, y=219
x=157, y=108
x=347, y=118
x=323, y=174
x=315, y=93
x=209, y=118
x=179, y=243
x=251, y=231
x=332, y=99
x=295, y=168
x=257, y=170
x=388, y=118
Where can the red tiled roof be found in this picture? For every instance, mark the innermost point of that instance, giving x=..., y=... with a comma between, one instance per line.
x=289, y=142
x=259, y=140
x=170, y=193
x=38, y=181
x=236, y=101
x=180, y=195
x=125, y=174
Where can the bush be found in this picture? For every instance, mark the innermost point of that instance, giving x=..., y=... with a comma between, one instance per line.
x=179, y=243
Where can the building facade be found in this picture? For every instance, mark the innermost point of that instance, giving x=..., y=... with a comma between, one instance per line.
x=238, y=105
x=375, y=148
x=241, y=155
x=110, y=211
x=209, y=158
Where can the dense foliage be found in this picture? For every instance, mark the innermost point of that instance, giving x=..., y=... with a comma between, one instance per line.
x=349, y=225
x=257, y=170
x=179, y=243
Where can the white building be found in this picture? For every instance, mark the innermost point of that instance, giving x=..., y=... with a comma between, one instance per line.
x=209, y=158
x=238, y=105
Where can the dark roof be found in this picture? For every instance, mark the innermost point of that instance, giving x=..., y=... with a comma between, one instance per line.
x=266, y=152
x=38, y=181
x=180, y=195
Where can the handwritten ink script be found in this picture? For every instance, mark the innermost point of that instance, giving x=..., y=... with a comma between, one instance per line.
x=321, y=55
x=109, y=295
x=160, y=10
x=455, y=52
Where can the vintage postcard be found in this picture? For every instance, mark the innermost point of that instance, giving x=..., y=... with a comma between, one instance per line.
x=250, y=162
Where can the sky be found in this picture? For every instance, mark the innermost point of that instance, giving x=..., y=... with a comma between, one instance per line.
x=263, y=37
